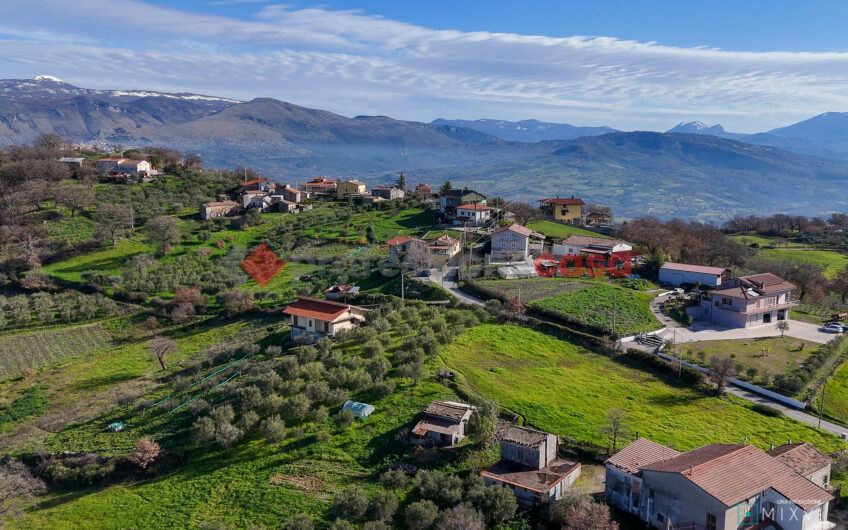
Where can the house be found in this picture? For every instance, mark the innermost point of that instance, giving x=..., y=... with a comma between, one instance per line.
x=360, y=410
x=473, y=214
x=401, y=245
x=591, y=245
x=444, y=424
x=348, y=188
x=598, y=219
x=319, y=186
x=124, y=167
x=322, y=317
x=717, y=486
x=424, y=190
x=281, y=204
x=807, y=461
x=76, y=161
x=257, y=185
x=293, y=195
x=371, y=199
x=388, y=192
x=676, y=274
x=255, y=199
x=748, y=301
x=512, y=243
x=444, y=246
x=211, y=210
x=563, y=210
x=529, y=465
x=449, y=201
x=337, y=292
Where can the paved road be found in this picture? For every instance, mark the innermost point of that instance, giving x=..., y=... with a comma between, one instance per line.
x=449, y=283
x=799, y=415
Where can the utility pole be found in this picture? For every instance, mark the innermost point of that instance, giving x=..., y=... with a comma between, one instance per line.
x=821, y=405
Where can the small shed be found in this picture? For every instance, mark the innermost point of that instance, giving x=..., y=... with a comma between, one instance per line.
x=360, y=410
x=116, y=426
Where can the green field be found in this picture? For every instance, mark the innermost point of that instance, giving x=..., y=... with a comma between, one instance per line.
x=831, y=261
x=109, y=260
x=596, y=304
x=559, y=387
x=783, y=355
x=559, y=230
x=34, y=350
x=532, y=288
x=836, y=396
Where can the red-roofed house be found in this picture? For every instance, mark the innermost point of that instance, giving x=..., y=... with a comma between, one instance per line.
x=471, y=213
x=717, y=486
x=320, y=186
x=568, y=210
x=749, y=301
x=322, y=317
x=257, y=184
x=399, y=246
x=512, y=243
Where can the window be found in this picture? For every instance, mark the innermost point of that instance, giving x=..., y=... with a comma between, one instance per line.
x=294, y=320
x=712, y=522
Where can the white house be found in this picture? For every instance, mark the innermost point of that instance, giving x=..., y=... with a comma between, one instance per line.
x=748, y=301
x=512, y=243
x=473, y=214
x=588, y=245
x=676, y=274
x=322, y=317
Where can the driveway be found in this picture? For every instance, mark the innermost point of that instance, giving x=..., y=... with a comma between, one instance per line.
x=799, y=415
x=705, y=330
x=447, y=278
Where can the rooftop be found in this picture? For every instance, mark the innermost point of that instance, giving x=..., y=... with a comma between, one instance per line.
x=220, y=204
x=701, y=269
x=591, y=241
x=453, y=411
x=318, y=309
x=518, y=229
x=538, y=480
x=471, y=206
x=803, y=457
x=524, y=436
x=566, y=201
x=642, y=452
x=733, y=473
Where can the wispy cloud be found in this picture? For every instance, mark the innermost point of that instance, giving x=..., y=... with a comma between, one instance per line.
x=354, y=63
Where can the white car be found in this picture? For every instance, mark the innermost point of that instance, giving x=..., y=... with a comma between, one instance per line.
x=831, y=328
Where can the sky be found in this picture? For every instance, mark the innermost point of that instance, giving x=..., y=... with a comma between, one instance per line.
x=633, y=65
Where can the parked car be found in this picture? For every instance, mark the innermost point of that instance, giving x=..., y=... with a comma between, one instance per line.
x=678, y=290
x=841, y=325
x=831, y=328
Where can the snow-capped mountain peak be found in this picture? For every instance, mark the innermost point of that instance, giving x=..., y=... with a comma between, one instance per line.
x=48, y=78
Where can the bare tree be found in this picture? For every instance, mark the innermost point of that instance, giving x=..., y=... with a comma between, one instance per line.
x=162, y=232
x=161, y=347
x=114, y=221
x=17, y=488
x=615, y=426
x=524, y=212
x=722, y=368
x=73, y=197
x=146, y=452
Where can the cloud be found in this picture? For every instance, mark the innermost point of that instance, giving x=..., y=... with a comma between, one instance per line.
x=354, y=63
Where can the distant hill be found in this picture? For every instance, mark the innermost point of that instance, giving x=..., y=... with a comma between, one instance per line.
x=694, y=173
x=828, y=128
x=525, y=130
x=668, y=175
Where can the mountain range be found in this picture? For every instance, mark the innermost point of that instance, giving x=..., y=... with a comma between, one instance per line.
x=693, y=170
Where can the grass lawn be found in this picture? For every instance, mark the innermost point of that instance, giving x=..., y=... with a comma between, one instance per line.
x=562, y=388
x=836, y=396
x=558, y=230
x=784, y=354
x=109, y=260
x=763, y=241
x=595, y=305
x=533, y=288
x=831, y=261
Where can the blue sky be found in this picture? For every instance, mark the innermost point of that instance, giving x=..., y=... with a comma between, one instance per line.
x=749, y=65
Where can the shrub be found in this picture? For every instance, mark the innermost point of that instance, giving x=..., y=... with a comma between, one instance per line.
x=383, y=506
x=274, y=429
x=345, y=419
x=299, y=521
x=248, y=421
x=766, y=410
x=420, y=515
x=203, y=430
x=227, y=435
x=222, y=414
x=394, y=479
x=351, y=503
x=461, y=518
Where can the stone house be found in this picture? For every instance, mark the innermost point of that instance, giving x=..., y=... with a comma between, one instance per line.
x=211, y=210
x=444, y=424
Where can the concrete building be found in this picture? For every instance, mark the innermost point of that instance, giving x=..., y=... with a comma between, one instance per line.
x=677, y=274
x=388, y=192
x=714, y=487
x=448, y=202
x=211, y=210
x=748, y=301
x=807, y=461
x=319, y=186
x=472, y=214
x=530, y=467
x=444, y=424
x=347, y=188
x=512, y=243
x=568, y=210
x=322, y=317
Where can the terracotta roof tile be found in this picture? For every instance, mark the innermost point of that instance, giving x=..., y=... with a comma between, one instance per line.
x=642, y=452
x=447, y=410
x=318, y=309
x=803, y=457
x=702, y=269
x=524, y=436
x=470, y=206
